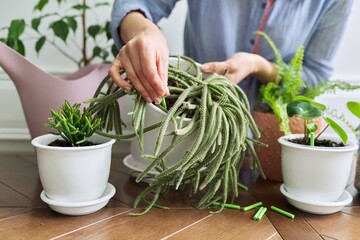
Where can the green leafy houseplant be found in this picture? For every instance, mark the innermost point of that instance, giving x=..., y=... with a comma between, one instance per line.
x=289, y=84
x=308, y=109
x=271, y=115
x=63, y=27
x=74, y=126
x=354, y=108
x=220, y=118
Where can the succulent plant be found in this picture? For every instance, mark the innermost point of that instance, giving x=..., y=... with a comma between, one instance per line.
x=74, y=126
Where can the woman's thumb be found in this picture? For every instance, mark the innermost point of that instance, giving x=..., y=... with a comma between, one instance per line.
x=213, y=67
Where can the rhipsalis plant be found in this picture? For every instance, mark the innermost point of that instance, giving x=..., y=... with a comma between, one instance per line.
x=307, y=109
x=220, y=120
x=70, y=20
x=74, y=126
x=288, y=84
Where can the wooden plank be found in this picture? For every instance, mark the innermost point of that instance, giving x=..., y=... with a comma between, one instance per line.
x=229, y=224
x=11, y=198
x=338, y=225
x=43, y=223
x=117, y=163
x=269, y=193
x=6, y=213
x=31, y=158
x=114, y=203
x=126, y=188
x=21, y=176
x=156, y=224
x=352, y=211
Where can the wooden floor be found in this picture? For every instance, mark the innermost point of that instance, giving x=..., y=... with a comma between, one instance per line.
x=24, y=216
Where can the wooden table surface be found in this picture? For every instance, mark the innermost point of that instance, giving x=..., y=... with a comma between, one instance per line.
x=24, y=216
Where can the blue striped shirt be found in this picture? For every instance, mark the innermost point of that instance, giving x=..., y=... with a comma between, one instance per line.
x=215, y=30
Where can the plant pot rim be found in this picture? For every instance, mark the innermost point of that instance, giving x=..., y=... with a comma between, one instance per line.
x=38, y=142
x=350, y=145
x=158, y=110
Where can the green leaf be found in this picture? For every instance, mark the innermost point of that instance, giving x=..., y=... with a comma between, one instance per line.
x=80, y=6
x=96, y=51
x=312, y=127
x=3, y=40
x=107, y=30
x=114, y=50
x=72, y=23
x=94, y=30
x=16, y=29
x=303, y=109
x=104, y=54
x=17, y=45
x=61, y=29
x=102, y=4
x=321, y=106
x=354, y=108
x=41, y=4
x=40, y=43
x=35, y=23
x=338, y=129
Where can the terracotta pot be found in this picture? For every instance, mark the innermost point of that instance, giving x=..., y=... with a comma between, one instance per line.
x=270, y=157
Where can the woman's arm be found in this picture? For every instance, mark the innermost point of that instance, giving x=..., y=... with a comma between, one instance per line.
x=243, y=64
x=144, y=57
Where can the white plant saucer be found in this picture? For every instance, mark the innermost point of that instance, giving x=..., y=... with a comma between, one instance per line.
x=80, y=208
x=317, y=207
x=136, y=166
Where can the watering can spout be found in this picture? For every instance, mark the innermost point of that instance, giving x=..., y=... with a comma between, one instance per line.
x=16, y=66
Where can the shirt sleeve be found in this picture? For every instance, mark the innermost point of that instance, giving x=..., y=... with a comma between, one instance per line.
x=153, y=10
x=324, y=42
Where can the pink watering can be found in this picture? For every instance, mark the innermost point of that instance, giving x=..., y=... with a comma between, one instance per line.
x=39, y=92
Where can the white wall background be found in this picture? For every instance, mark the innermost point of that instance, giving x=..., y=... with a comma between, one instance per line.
x=12, y=123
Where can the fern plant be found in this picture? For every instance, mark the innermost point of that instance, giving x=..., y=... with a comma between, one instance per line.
x=288, y=84
x=330, y=87
x=277, y=95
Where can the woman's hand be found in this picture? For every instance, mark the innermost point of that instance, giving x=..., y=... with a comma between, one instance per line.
x=144, y=58
x=241, y=65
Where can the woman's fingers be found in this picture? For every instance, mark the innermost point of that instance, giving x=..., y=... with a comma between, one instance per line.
x=145, y=61
x=114, y=72
x=152, y=77
x=215, y=67
x=133, y=77
x=162, y=66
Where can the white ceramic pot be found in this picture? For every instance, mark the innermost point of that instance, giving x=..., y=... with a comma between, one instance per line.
x=316, y=173
x=73, y=174
x=154, y=115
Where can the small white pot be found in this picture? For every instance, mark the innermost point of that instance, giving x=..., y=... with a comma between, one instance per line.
x=316, y=173
x=154, y=115
x=73, y=174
